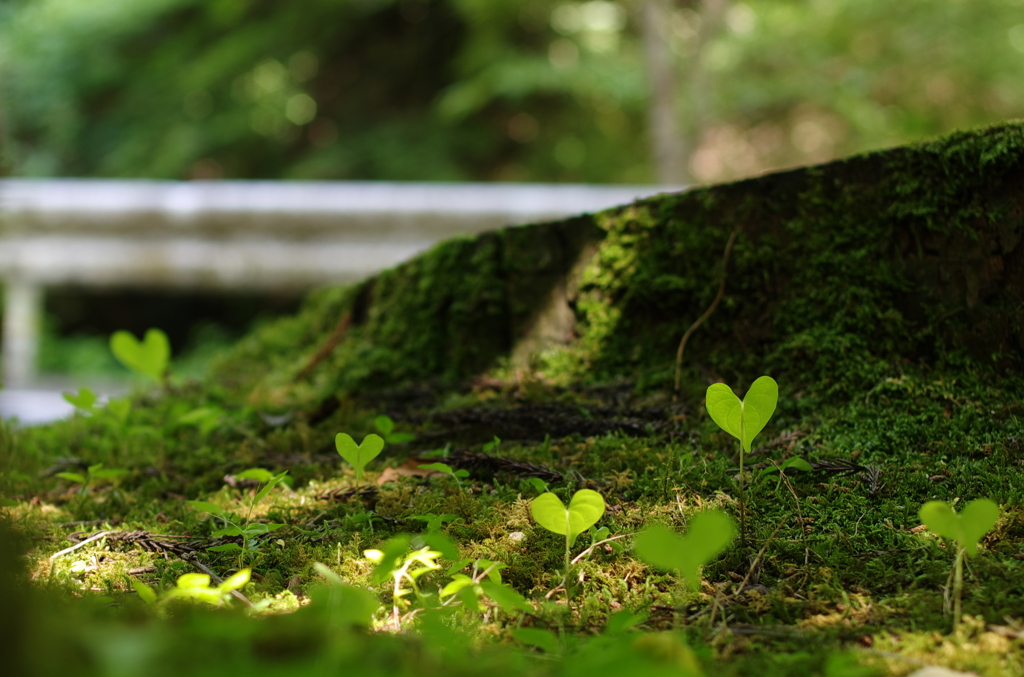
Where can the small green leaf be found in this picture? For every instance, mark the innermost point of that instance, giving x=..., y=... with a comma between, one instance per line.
x=505, y=597
x=390, y=554
x=229, y=531
x=493, y=569
x=108, y=474
x=193, y=581
x=743, y=420
x=435, y=522
x=72, y=477
x=146, y=593
x=438, y=467
x=85, y=399
x=120, y=409
x=542, y=639
x=621, y=621
x=204, y=506
x=341, y=604
x=400, y=438
x=974, y=521
x=585, y=508
x=148, y=357
x=978, y=518
x=709, y=533
x=358, y=455
x=539, y=485
x=796, y=463
x=441, y=543
x=205, y=418
x=259, y=474
x=273, y=482
x=469, y=598
x=236, y=581
x=458, y=582
x=384, y=425
x=227, y=547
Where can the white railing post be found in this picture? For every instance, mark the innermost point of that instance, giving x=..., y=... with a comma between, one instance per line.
x=23, y=301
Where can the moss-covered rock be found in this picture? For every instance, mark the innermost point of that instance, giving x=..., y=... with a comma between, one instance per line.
x=840, y=273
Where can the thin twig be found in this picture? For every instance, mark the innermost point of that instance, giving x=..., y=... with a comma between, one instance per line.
x=332, y=342
x=589, y=550
x=799, y=514
x=95, y=537
x=707, y=313
x=757, y=560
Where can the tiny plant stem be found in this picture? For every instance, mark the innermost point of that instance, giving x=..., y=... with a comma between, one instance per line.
x=565, y=580
x=577, y=558
x=705, y=316
x=743, y=504
x=800, y=516
x=958, y=586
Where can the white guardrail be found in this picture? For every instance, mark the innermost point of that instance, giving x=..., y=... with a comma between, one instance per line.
x=240, y=234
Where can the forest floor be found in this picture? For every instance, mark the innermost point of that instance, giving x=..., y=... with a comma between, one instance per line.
x=837, y=576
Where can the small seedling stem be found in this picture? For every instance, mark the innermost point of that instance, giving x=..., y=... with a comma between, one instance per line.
x=958, y=587
x=565, y=578
x=743, y=499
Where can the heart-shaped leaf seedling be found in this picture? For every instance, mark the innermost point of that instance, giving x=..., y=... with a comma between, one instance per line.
x=974, y=521
x=709, y=534
x=84, y=400
x=585, y=508
x=358, y=455
x=743, y=419
x=148, y=357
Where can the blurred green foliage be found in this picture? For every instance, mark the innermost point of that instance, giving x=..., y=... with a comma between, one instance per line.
x=484, y=89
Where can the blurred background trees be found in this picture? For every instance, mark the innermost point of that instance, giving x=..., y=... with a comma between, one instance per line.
x=510, y=90
x=616, y=91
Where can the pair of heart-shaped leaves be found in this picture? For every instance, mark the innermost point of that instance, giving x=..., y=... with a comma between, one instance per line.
x=358, y=455
x=974, y=521
x=585, y=508
x=84, y=400
x=709, y=534
x=148, y=357
x=743, y=419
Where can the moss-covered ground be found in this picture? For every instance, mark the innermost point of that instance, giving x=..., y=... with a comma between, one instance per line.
x=884, y=295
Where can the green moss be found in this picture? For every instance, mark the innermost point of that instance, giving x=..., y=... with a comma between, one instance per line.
x=841, y=272
x=882, y=292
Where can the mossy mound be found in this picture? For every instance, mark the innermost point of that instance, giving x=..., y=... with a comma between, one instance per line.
x=884, y=293
x=840, y=274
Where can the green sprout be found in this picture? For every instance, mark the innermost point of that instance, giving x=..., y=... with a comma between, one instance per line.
x=119, y=410
x=148, y=357
x=457, y=475
x=585, y=508
x=395, y=561
x=469, y=589
x=709, y=534
x=249, y=531
x=435, y=522
x=386, y=427
x=743, y=420
x=197, y=587
x=358, y=455
x=93, y=474
x=84, y=401
x=966, y=530
x=206, y=419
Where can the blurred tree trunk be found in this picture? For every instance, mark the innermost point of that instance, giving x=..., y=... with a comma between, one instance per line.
x=673, y=143
x=667, y=149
